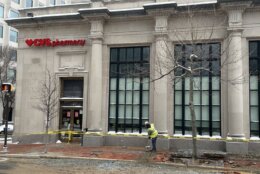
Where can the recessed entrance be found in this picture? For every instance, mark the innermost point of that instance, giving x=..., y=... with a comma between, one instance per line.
x=71, y=109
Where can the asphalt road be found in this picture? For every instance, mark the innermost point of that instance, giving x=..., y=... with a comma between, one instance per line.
x=83, y=166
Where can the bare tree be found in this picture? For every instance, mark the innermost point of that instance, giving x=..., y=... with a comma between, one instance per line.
x=178, y=64
x=7, y=72
x=48, y=101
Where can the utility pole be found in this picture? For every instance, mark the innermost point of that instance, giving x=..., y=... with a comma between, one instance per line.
x=6, y=89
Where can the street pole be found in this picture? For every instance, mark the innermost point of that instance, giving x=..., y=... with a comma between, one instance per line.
x=6, y=112
x=6, y=115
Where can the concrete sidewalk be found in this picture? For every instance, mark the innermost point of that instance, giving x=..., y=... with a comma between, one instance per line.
x=65, y=150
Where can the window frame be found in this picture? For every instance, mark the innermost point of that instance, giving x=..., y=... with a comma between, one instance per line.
x=118, y=76
x=253, y=59
x=180, y=124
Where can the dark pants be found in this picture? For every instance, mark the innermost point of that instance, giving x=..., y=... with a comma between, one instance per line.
x=154, y=143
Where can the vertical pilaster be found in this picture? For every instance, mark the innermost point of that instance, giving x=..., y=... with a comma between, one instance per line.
x=235, y=86
x=161, y=110
x=95, y=83
x=235, y=78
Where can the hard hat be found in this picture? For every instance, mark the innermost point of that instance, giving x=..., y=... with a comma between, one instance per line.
x=146, y=122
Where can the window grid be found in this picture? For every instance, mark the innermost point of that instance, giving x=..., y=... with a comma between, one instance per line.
x=206, y=92
x=129, y=89
x=254, y=66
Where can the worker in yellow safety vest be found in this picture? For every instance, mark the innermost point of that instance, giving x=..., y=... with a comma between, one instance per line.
x=152, y=134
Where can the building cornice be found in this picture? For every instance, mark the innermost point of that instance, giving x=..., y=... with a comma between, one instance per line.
x=151, y=9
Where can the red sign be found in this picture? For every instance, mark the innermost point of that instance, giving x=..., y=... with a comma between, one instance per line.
x=53, y=43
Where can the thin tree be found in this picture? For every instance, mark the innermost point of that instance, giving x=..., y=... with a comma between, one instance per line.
x=178, y=65
x=48, y=101
x=7, y=73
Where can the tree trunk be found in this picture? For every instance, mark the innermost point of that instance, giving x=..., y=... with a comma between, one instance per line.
x=46, y=136
x=193, y=122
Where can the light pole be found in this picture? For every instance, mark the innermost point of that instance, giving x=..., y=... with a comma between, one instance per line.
x=7, y=88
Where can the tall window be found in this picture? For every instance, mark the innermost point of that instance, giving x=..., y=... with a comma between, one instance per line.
x=13, y=36
x=129, y=89
x=13, y=14
x=254, y=68
x=1, y=11
x=29, y=3
x=206, y=90
x=1, y=31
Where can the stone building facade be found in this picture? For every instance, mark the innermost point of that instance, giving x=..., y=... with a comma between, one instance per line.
x=113, y=61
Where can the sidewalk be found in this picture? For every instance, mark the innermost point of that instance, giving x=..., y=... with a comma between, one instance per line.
x=65, y=150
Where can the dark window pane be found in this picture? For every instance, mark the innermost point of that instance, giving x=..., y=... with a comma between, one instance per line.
x=253, y=66
x=253, y=50
x=113, y=70
x=137, y=54
x=113, y=55
x=146, y=53
x=73, y=88
x=215, y=51
x=130, y=54
x=122, y=54
x=215, y=67
x=205, y=52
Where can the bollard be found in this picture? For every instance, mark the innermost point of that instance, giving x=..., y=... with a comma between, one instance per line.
x=82, y=136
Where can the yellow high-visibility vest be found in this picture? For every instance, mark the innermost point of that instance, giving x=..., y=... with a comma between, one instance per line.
x=152, y=132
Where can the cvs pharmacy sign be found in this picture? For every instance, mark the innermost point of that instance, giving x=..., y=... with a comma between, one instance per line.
x=54, y=43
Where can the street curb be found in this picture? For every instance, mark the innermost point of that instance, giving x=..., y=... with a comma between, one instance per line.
x=38, y=156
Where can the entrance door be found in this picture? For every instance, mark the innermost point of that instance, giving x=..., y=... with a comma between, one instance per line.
x=71, y=125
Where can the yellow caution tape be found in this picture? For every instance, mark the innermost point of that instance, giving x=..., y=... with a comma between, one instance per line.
x=70, y=134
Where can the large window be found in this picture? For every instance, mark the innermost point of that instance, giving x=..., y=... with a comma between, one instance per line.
x=254, y=66
x=206, y=91
x=129, y=89
x=13, y=36
x=13, y=14
x=29, y=3
x=1, y=11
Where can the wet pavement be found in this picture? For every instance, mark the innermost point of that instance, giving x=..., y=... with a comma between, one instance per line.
x=83, y=166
